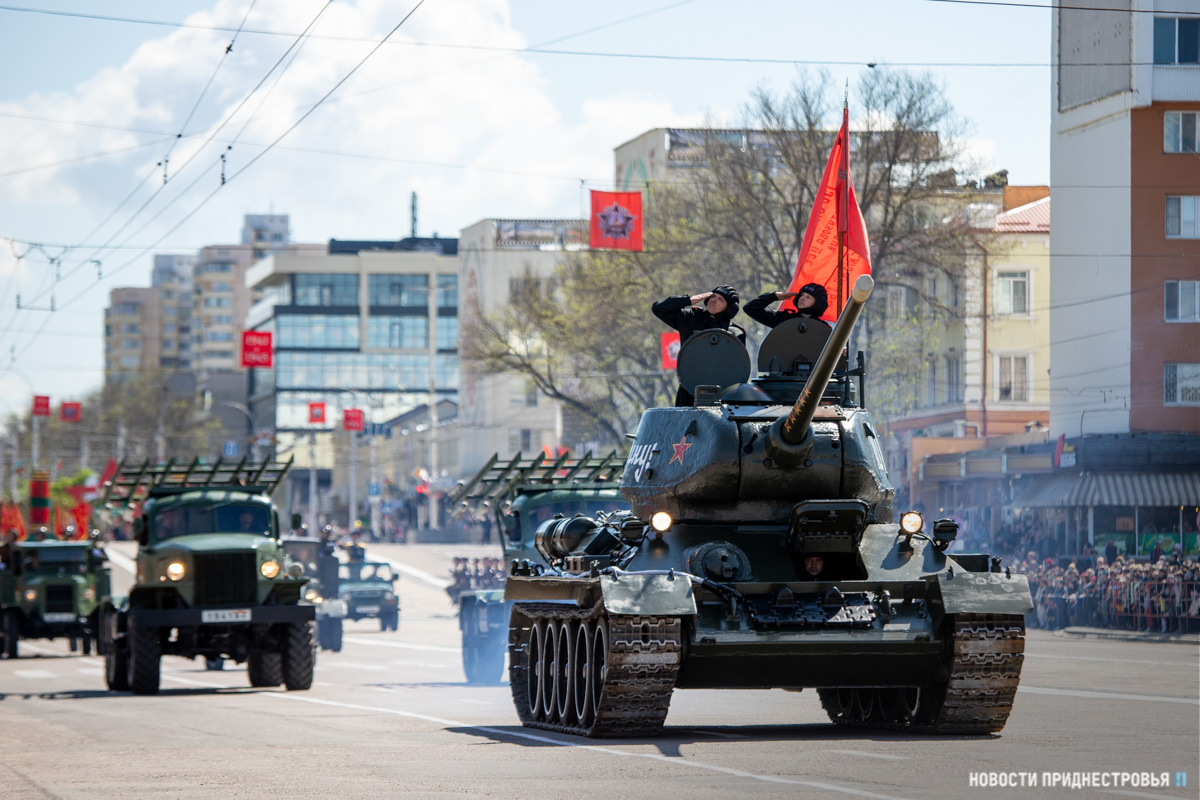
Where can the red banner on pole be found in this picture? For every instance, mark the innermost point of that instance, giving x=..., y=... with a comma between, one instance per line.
x=71, y=412
x=41, y=405
x=616, y=221
x=670, y=349
x=352, y=419
x=256, y=349
x=316, y=413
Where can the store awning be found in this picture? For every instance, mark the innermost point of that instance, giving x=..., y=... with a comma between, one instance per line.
x=1147, y=489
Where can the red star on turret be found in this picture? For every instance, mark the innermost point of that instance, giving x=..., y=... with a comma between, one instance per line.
x=680, y=449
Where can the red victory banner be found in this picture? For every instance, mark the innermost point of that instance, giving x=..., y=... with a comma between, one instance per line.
x=616, y=221
x=670, y=349
x=352, y=419
x=70, y=412
x=835, y=250
x=256, y=349
x=41, y=405
x=316, y=413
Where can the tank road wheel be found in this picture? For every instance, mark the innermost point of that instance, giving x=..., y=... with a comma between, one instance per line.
x=581, y=677
x=902, y=704
x=550, y=670
x=598, y=665
x=563, y=672
x=12, y=633
x=145, y=659
x=866, y=702
x=299, y=656
x=265, y=669
x=534, y=669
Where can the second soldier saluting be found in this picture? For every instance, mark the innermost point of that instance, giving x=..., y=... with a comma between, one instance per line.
x=690, y=315
x=811, y=301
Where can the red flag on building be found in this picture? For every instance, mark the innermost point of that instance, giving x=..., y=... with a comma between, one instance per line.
x=352, y=419
x=71, y=412
x=256, y=349
x=835, y=210
x=670, y=349
x=616, y=221
x=316, y=413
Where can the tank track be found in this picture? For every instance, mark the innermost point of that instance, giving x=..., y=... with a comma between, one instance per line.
x=985, y=654
x=622, y=685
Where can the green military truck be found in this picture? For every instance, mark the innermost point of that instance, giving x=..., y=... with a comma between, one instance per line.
x=52, y=589
x=212, y=577
x=521, y=494
x=368, y=590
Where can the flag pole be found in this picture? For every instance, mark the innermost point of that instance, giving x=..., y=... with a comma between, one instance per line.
x=843, y=209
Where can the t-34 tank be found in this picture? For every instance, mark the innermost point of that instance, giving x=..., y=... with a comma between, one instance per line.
x=760, y=552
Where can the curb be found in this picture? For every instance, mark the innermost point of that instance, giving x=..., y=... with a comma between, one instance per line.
x=1130, y=636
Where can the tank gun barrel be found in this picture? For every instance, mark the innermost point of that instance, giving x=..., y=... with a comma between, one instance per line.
x=795, y=426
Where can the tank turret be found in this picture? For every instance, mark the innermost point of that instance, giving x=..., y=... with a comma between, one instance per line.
x=760, y=551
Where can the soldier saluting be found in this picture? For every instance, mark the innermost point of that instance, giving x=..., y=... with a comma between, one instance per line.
x=692, y=314
x=811, y=301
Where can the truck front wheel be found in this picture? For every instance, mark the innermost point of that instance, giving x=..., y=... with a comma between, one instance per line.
x=116, y=657
x=265, y=669
x=145, y=659
x=299, y=656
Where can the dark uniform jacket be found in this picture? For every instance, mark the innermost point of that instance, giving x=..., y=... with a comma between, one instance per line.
x=757, y=310
x=680, y=314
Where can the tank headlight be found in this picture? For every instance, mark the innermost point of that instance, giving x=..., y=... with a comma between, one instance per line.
x=30, y=595
x=175, y=571
x=269, y=569
x=312, y=596
x=660, y=521
x=911, y=522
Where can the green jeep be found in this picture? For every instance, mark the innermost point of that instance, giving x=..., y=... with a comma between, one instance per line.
x=212, y=579
x=366, y=587
x=521, y=494
x=53, y=591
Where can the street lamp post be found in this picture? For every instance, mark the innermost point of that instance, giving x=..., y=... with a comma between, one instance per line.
x=313, y=522
x=253, y=426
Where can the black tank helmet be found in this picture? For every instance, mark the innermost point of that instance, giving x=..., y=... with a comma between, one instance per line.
x=819, y=294
x=731, y=301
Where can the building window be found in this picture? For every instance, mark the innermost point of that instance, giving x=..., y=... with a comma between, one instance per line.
x=447, y=333
x=129, y=361
x=1013, y=379
x=1183, y=301
x=1179, y=132
x=218, y=336
x=953, y=379
x=130, y=344
x=125, y=308
x=318, y=331
x=326, y=290
x=1176, y=40
x=1181, y=217
x=129, y=327
x=395, y=332
x=447, y=291
x=398, y=290
x=1181, y=384
x=931, y=379
x=218, y=302
x=205, y=268
x=1012, y=293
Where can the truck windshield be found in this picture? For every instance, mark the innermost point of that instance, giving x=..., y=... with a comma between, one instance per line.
x=365, y=572
x=224, y=518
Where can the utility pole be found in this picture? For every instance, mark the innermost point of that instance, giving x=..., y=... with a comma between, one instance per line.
x=433, y=457
x=313, y=522
x=353, y=479
x=35, y=444
x=374, y=499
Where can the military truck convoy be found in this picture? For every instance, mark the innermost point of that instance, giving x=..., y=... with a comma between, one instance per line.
x=50, y=590
x=212, y=579
x=521, y=494
x=760, y=552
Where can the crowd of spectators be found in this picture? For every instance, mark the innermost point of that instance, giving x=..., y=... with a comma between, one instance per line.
x=1107, y=589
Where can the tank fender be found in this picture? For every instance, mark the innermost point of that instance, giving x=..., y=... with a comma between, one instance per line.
x=965, y=592
x=662, y=595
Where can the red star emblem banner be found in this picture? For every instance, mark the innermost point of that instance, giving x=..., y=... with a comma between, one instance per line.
x=616, y=221
x=670, y=349
x=316, y=413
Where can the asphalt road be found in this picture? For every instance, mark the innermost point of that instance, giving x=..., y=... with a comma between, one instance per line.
x=391, y=715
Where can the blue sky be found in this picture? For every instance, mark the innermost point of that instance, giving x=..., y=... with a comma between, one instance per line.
x=476, y=133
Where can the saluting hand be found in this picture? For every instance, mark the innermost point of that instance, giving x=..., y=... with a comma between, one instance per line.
x=785, y=295
x=699, y=299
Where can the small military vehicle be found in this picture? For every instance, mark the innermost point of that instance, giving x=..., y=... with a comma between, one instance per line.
x=212, y=578
x=760, y=552
x=53, y=591
x=520, y=494
x=368, y=590
x=320, y=563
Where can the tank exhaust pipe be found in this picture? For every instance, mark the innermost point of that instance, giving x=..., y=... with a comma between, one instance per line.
x=792, y=434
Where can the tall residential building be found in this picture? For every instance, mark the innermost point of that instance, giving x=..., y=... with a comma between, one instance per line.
x=1125, y=249
x=132, y=332
x=172, y=276
x=367, y=325
x=503, y=412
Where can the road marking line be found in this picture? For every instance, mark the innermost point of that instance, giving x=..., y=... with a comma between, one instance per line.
x=90, y=670
x=1149, y=698
x=25, y=645
x=521, y=734
x=124, y=562
x=1110, y=660
x=33, y=673
x=431, y=647
x=865, y=754
x=419, y=574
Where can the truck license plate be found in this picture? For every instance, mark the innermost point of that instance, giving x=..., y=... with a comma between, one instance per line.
x=59, y=616
x=368, y=609
x=226, y=615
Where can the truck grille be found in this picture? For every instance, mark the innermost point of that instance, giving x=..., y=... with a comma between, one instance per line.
x=60, y=598
x=225, y=579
